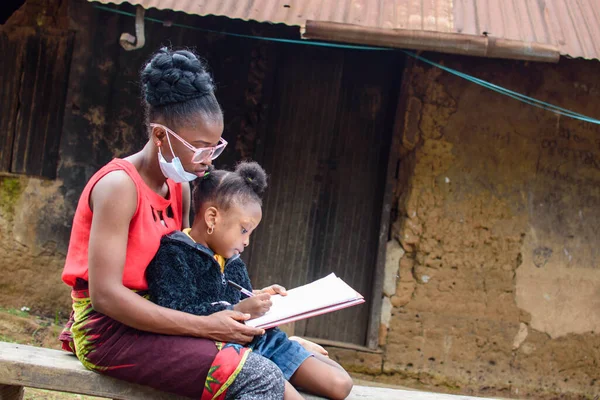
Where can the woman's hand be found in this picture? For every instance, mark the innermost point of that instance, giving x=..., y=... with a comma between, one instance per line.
x=310, y=346
x=256, y=305
x=273, y=289
x=228, y=326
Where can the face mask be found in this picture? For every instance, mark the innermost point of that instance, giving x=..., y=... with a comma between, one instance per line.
x=174, y=170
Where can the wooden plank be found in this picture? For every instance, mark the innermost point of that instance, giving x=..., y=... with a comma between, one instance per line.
x=375, y=314
x=270, y=55
x=42, y=95
x=281, y=244
x=356, y=179
x=326, y=149
x=388, y=198
x=11, y=47
x=57, y=370
x=295, y=141
x=8, y=392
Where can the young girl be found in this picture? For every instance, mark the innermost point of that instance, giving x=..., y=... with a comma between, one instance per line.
x=191, y=270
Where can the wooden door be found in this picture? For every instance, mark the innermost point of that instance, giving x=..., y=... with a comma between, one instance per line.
x=326, y=150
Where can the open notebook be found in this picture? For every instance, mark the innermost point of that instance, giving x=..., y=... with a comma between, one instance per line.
x=319, y=297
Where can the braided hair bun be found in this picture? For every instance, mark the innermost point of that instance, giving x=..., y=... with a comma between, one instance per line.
x=174, y=77
x=247, y=183
x=253, y=175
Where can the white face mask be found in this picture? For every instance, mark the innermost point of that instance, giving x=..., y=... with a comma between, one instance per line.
x=174, y=170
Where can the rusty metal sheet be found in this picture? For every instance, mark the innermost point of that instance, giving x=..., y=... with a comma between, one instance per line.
x=572, y=25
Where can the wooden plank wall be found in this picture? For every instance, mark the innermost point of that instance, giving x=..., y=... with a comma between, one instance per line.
x=34, y=73
x=326, y=147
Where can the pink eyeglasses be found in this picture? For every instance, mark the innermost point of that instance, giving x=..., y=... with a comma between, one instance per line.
x=201, y=154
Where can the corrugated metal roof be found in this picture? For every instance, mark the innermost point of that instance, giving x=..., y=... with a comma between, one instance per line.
x=571, y=25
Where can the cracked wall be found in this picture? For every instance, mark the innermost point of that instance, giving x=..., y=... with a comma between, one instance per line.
x=497, y=291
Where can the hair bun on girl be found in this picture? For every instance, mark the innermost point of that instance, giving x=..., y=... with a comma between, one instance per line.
x=253, y=175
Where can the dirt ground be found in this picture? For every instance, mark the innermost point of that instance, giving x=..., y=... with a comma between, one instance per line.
x=18, y=326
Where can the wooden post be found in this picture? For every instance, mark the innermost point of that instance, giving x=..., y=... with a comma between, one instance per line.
x=443, y=42
x=8, y=392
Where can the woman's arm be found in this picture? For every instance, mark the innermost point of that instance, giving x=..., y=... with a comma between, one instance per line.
x=114, y=201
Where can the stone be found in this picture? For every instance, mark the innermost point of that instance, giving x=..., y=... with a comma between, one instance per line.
x=386, y=311
x=528, y=348
x=520, y=336
x=524, y=316
x=404, y=292
x=383, y=331
x=406, y=267
x=409, y=234
x=394, y=253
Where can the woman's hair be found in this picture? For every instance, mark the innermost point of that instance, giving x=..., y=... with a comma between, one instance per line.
x=224, y=188
x=177, y=87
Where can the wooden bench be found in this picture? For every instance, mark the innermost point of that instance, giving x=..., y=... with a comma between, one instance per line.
x=35, y=367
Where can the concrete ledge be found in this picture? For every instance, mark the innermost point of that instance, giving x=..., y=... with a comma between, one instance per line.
x=375, y=393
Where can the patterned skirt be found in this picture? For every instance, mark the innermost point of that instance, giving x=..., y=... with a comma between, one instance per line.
x=191, y=367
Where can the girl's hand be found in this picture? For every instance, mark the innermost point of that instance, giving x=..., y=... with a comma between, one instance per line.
x=256, y=305
x=310, y=346
x=273, y=289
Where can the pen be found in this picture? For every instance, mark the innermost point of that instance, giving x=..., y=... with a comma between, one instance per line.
x=241, y=289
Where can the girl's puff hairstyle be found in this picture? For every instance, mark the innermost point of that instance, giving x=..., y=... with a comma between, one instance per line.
x=223, y=188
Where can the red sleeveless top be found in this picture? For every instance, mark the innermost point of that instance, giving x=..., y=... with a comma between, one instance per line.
x=145, y=229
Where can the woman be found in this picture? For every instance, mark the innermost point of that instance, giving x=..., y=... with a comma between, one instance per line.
x=124, y=210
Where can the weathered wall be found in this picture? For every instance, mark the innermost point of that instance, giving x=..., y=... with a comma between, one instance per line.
x=104, y=119
x=33, y=215
x=498, y=288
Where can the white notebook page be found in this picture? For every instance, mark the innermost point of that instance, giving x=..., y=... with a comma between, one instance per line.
x=321, y=293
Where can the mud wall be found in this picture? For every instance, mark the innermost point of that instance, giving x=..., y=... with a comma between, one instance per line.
x=495, y=251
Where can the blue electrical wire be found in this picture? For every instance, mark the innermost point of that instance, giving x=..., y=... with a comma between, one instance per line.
x=499, y=89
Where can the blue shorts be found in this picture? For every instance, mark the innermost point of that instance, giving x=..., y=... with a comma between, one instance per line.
x=285, y=353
